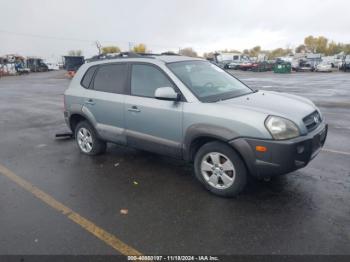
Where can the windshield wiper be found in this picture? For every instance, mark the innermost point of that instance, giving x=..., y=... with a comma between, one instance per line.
x=226, y=98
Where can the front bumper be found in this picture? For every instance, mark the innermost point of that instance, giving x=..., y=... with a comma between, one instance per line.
x=281, y=157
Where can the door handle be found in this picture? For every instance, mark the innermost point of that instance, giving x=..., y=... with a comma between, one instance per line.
x=89, y=101
x=134, y=109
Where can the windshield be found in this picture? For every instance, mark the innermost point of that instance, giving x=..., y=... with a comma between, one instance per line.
x=208, y=82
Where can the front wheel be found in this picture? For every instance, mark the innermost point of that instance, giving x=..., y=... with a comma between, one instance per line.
x=87, y=139
x=220, y=169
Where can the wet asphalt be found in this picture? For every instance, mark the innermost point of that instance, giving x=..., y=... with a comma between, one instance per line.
x=305, y=212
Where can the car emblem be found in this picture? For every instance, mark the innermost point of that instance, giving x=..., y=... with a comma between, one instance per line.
x=316, y=119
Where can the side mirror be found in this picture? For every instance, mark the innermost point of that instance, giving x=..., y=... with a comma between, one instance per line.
x=167, y=93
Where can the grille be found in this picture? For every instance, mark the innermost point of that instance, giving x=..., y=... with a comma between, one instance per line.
x=312, y=121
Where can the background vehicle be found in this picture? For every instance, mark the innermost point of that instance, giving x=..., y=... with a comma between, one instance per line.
x=324, y=67
x=346, y=64
x=52, y=66
x=73, y=63
x=314, y=60
x=262, y=66
x=246, y=65
x=21, y=69
x=303, y=65
x=335, y=60
x=36, y=65
x=190, y=109
x=238, y=60
x=230, y=60
x=234, y=65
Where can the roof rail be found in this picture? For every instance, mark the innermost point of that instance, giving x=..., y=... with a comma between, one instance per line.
x=125, y=55
x=147, y=54
x=154, y=54
x=134, y=54
x=129, y=54
x=170, y=53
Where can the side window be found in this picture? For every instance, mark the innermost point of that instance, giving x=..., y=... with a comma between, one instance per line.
x=111, y=78
x=88, y=76
x=145, y=79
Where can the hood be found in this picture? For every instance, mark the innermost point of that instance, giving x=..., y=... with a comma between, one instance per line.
x=285, y=105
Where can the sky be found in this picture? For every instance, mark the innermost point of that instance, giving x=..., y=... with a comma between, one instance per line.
x=50, y=28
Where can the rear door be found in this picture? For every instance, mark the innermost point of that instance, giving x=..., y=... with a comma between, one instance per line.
x=104, y=101
x=152, y=124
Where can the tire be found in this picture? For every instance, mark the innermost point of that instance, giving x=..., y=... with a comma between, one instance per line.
x=234, y=169
x=87, y=139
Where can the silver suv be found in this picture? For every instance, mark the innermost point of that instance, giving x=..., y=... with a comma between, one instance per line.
x=190, y=109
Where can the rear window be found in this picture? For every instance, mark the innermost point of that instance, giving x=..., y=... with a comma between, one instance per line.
x=88, y=76
x=111, y=78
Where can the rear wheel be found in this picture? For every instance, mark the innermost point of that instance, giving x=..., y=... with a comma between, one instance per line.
x=220, y=169
x=87, y=139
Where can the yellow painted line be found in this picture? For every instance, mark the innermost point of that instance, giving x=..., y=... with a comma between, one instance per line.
x=89, y=226
x=336, y=151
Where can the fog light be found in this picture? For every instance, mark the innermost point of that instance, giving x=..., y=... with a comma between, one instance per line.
x=300, y=149
x=260, y=148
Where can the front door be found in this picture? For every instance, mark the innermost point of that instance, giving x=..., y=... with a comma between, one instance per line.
x=152, y=124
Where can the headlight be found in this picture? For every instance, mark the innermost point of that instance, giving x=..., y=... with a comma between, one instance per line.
x=281, y=128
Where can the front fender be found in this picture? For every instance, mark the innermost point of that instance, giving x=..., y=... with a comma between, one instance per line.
x=202, y=130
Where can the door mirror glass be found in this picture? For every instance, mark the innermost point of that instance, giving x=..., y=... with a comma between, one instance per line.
x=166, y=93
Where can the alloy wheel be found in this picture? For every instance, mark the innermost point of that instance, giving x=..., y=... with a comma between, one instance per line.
x=218, y=170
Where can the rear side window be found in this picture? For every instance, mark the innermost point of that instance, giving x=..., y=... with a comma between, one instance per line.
x=111, y=78
x=88, y=76
x=145, y=79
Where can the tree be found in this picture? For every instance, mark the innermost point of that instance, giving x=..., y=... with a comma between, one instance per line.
x=234, y=51
x=321, y=44
x=229, y=51
x=255, y=51
x=346, y=48
x=300, y=49
x=188, y=51
x=75, y=53
x=98, y=46
x=110, y=49
x=316, y=44
x=279, y=52
x=310, y=43
x=334, y=48
x=209, y=55
x=140, y=48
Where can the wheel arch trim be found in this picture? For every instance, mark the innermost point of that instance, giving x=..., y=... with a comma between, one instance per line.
x=201, y=131
x=83, y=112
